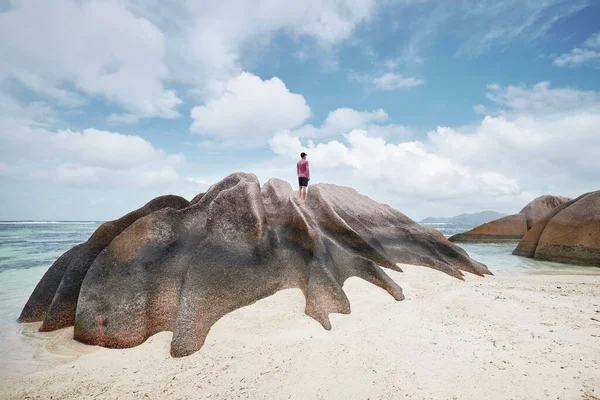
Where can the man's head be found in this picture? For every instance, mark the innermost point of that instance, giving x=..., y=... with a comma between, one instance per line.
x=303, y=155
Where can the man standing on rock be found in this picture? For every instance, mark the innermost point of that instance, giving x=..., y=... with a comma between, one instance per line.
x=303, y=175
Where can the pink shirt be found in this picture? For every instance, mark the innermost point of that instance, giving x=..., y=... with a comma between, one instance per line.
x=302, y=167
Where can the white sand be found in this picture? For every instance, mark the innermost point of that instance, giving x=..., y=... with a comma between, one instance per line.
x=523, y=337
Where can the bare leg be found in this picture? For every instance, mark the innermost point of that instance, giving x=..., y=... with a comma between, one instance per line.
x=304, y=193
x=300, y=192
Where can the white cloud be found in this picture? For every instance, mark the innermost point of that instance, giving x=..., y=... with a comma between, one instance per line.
x=88, y=158
x=404, y=168
x=88, y=175
x=116, y=118
x=66, y=49
x=576, y=57
x=390, y=64
x=33, y=113
x=250, y=111
x=480, y=109
x=543, y=137
x=543, y=140
x=208, y=39
x=588, y=54
x=385, y=81
x=541, y=99
x=103, y=149
x=343, y=120
x=392, y=81
x=593, y=41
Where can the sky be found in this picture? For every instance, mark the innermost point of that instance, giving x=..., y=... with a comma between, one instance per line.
x=434, y=107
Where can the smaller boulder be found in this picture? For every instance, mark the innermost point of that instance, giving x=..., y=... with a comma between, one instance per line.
x=570, y=233
x=506, y=229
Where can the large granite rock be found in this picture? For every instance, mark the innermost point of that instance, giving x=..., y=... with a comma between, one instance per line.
x=183, y=269
x=570, y=233
x=54, y=299
x=540, y=206
x=512, y=228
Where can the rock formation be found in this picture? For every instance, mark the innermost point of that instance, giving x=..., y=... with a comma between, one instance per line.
x=539, y=207
x=570, y=233
x=511, y=228
x=54, y=299
x=182, y=268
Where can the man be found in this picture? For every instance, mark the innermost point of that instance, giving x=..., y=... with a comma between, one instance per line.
x=303, y=175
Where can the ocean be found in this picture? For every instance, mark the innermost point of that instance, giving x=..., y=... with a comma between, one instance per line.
x=27, y=249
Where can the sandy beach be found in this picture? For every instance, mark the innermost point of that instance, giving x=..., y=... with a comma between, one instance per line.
x=501, y=337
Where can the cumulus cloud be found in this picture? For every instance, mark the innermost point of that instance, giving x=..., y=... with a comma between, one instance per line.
x=62, y=174
x=91, y=157
x=210, y=38
x=542, y=140
x=588, y=54
x=67, y=49
x=128, y=52
x=103, y=149
x=343, y=120
x=249, y=111
x=404, y=168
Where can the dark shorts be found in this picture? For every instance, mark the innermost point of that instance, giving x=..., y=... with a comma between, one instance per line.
x=302, y=181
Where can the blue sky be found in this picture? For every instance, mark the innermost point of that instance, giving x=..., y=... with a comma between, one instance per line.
x=434, y=107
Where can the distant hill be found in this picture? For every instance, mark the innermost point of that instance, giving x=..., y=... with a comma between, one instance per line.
x=476, y=219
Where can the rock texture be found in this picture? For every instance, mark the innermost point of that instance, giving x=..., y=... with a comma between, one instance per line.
x=54, y=299
x=509, y=228
x=512, y=228
x=570, y=233
x=540, y=206
x=183, y=269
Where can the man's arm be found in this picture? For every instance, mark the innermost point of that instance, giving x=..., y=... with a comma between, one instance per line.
x=307, y=172
x=297, y=170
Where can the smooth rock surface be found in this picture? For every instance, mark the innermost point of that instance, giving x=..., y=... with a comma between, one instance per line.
x=512, y=228
x=181, y=270
x=570, y=233
x=506, y=229
x=54, y=299
x=536, y=209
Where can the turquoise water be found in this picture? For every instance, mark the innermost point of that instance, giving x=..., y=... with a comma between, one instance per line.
x=27, y=249
x=498, y=256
